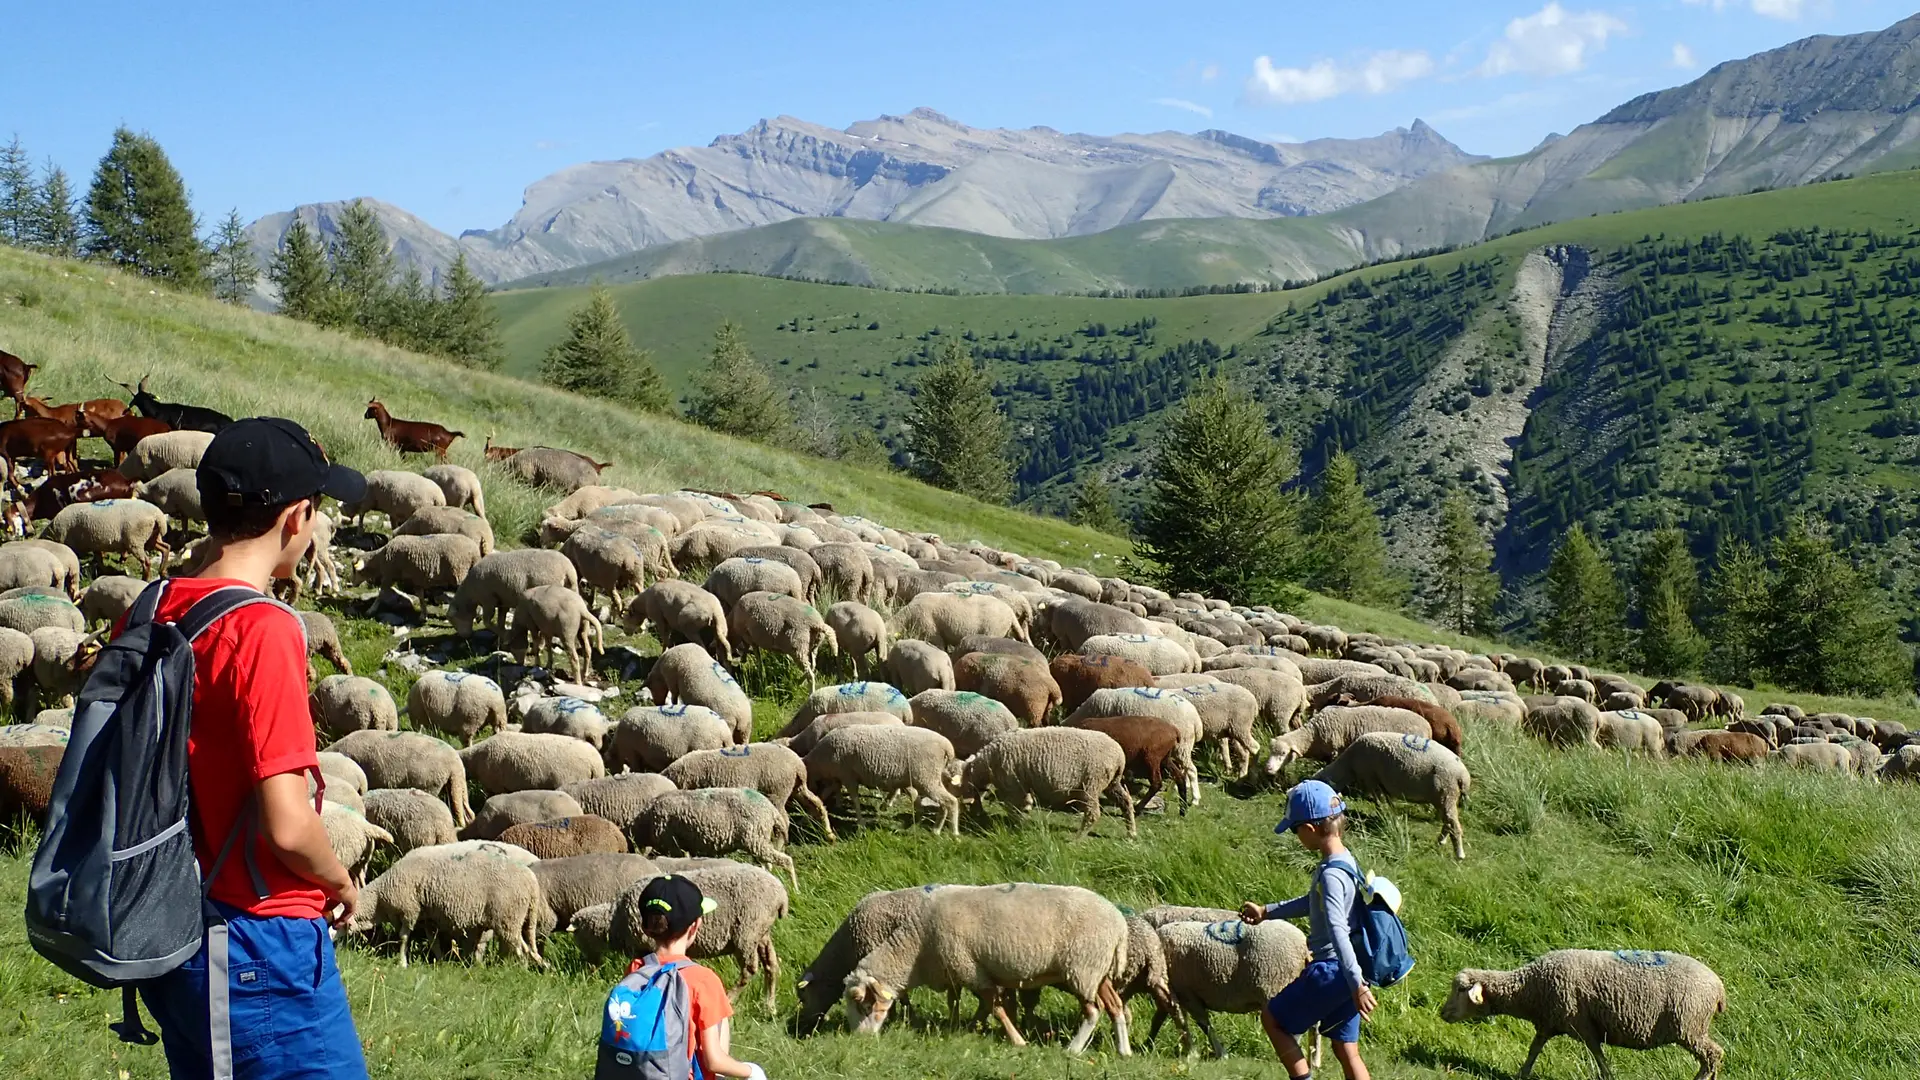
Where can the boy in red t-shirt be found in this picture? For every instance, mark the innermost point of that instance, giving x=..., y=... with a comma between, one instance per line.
x=251, y=751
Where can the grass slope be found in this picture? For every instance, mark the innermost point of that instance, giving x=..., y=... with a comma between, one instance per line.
x=1802, y=891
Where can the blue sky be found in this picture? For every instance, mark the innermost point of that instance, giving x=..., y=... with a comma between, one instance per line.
x=264, y=106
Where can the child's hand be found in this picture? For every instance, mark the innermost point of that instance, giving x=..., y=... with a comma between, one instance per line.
x=1252, y=914
x=1363, y=1000
x=757, y=1072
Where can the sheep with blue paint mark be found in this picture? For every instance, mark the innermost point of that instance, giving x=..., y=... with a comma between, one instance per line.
x=1398, y=767
x=686, y=675
x=456, y=703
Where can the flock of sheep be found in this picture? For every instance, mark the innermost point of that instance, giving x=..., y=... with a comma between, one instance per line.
x=978, y=673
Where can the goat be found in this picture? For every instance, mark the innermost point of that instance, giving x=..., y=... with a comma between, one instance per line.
x=97, y=411
x=64, y=489
x=498, y=453
x=179, y=417
x=123, y=433
x=49, y=442
x=40, y=407
x=14, y=373
x=411, y=436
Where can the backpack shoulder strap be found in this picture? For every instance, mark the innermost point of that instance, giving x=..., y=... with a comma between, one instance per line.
x=220, y=603
x=147, y=604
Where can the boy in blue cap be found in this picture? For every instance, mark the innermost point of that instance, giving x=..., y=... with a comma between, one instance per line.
x=1331, y=992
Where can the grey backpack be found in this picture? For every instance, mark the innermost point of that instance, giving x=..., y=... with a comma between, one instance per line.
x=644, y=1031
x=114, y=896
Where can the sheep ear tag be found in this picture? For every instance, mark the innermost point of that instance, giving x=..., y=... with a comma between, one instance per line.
x=1477, y=994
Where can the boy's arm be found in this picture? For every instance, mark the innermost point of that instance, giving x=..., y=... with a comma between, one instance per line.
x=1288, y=909
x=716, y=1053
x=294, y=834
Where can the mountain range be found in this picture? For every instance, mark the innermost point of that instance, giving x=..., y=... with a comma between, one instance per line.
x=921, y=201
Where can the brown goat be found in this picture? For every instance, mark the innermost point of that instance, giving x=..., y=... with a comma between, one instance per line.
x=97, y=411
x=64, y=489
x=1446, y=727
x=49, y=442
x=411, y=436
x=123, y=433
x=1079, y=676
x=40, y=407
x=14, y=373
x=1149, y=744
x=498, y=453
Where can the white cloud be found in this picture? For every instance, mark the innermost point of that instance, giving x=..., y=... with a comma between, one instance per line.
x=1375, y=73
x=1787, y=10
x=1182, y=103
x=1210, y=73
x=1553, y=41
x=1683, y=57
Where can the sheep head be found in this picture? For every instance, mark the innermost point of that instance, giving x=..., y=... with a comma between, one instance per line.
x=1467, y=1000
x=1283, y=750
x=868, y=1002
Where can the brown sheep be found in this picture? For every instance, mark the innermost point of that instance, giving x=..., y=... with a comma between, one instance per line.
x=561, y=837
x=26, y=780
x=1734, y=746
x=1446, y=729
x=1079, y=676
x=1025, y=686
x=1150, y=744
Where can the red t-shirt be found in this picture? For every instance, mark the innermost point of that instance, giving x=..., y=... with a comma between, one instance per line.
x=707, y=1002
x=250, y=722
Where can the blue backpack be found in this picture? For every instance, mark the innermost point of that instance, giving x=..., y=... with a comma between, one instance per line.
x=644, y=1030
x=1379, y=937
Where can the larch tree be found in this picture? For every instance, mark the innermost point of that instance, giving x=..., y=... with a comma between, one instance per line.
x=1584, y=608
x=1739, y=602
x=1346, y=556
x=1464, y=584
x=361, y=270
x=235, y=271
x=1217, y=518
x=298, y=270
x=1666, y=584
x=734, y=394
x=56, y=227
x=956, y=434
x=1829, y=630
x=597, y=358
x=138, y=215
x=468, y=329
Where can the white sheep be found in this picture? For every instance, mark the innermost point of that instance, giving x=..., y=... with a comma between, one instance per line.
x=473, y=893
x=1632, y=729
x=456, y=703
x=1333, y=728
x=517, y=761
x=1159, y=655
x=714, y=822
x=860, y=631
x=1405, y=768
x=460, y=486
x=891, y=758
x=396, y=759
x=1061, y=768
x=687, y=674
x=352, y=837
x=1225, y=965
x=343, y=704
x=1168, y=705
x=769, y=768
x=619, y=798
x=678, y=612
x=848, y=697
x=396, y=494
x=449, y=521
x=412, y=817
x=568, y=716
x=551, y=615
x=156, y=454
x=648, y=738
x=969, y=721
x=778, y=623
x=502, y=812
x=916, y=666
x=128, y=528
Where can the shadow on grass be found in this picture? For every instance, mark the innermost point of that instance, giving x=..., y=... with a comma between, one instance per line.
x=1451, y=1061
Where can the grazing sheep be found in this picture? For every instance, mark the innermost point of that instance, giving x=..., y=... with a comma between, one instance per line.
x=1151, y=746
x=778, y=623
x=128, y=528
x=1024, y=685
x=846, y=571
x=1227, y=713
x=1820, y=756
x=22, y=567
x=747, y=903
x=1629, y=998
x=860, y=631
x=413, y=818
x=554, y=615
x=158, y=454
x=497, y=582
x=62, y=659
x=1225, y=966
x=546, y=467
x=1696, y=701
x=1365, y=687
x=516, y=761
x=1491, y=707
x=889, y=757
x=810, y=737
x=418, y=565
x=572, y=883
x=687, y=675
x=474, y=893
x=1405, y=768
x=944, y=619
x=1446, y=728
x=1062, y=768
x=713, y=822
x=1902, y=764
x=1079, y=676
x=619, y=798
x=1159, y=655
x=968, y=720
x=502, y=812
x=878, y=917
x=399, y=495
x=322, y=573
x=449, y=521
x=342, y=771
x=1631, y=730
x=323, y=640
x=916, y=666
x=461, y=488
x=678, y=612
x=343, y=704
x=1332, y=729
x=999, y=646
x=456, y=703
x=988, y=937
x=27, y=610
x=569, y=716
x=26, y=781
x=176, y=492
x=712, y=543
x=352, y=838
x=557, y=838
x=1152, y=701
x=736, y=577
x=648, y=738
x=1732, y=746
x=614, y=562
x=69, y=560
x=848, y=697
x=769, y=768
x=1563, y=721
x=1576, y=688
x=586, y=500
x=1282, y=697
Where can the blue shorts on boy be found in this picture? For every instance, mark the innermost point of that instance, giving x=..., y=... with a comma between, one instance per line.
x=1319, y=997
x=288, y=1008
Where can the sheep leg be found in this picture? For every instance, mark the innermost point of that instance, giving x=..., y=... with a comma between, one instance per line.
x=1450, y=826
x=1205, y=1020
x=949, y=811
x=781, y=858
x=1709, y=1053
x=480, y=946
x=1006, y=1023
x=406, y=935
x=1595, y=1046
x=1117, y=1012
x=819, y=810
x=1091, y=817
x=1540, y=1038
x=1125, y=800
x=770, y=967
x=1089, y=1019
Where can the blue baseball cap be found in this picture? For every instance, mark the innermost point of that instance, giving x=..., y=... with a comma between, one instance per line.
x=1310, y=800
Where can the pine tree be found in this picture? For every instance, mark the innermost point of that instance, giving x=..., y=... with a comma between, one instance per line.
x=468, y=328
x=1666, y=642
x=1346, y=556
x=1583, y=601
x=409, y=315
x=1829, y=631
x=138, y=215
x=597, y=358
x=235, y=272
x=1464, y=587
x=1739, y=599
x=1217, y=518
x=56, y=226
x=18, y=198
x=734, y=394
x=298, y=270
x=956, y=433
x=1093, y=506
x=362, y=270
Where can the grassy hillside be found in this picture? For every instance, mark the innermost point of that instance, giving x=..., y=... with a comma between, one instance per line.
x=1799, y=889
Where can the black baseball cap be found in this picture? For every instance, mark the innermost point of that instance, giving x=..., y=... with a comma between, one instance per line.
x=679, y=898
x=269, y=461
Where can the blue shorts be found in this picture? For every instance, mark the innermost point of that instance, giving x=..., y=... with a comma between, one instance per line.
x=288, y=1009
x=1318, y=997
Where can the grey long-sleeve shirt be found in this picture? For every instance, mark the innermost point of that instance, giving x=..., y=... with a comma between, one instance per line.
x=1328, y=907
